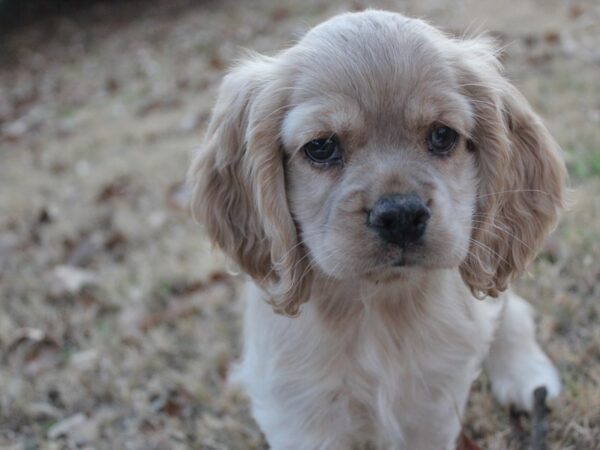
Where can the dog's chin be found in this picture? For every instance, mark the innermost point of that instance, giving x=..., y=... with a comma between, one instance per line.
x=397, y=271
x=390, y=275
x=393, y=267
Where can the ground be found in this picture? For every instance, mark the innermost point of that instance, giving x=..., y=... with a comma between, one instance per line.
x=118, y=323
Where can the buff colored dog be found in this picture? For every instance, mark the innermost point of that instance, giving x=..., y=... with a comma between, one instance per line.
x=382, y=184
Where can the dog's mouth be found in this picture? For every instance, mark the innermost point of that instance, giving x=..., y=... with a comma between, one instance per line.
x=401, y=262
x=408, y=258
x=399, y=270
x=394, y=268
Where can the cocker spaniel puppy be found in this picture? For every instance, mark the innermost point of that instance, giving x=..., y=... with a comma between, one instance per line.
x=377, y=181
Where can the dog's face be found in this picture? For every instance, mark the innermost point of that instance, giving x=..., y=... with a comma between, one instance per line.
x=375, y=147
x=379, y=174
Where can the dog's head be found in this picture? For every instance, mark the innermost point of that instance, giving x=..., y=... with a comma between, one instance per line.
x=376, y=147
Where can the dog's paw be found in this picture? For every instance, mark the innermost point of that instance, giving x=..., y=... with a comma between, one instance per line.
x=514, y=381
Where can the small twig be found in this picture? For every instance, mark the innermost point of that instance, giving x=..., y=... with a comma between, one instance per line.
x=518, y=436
x=167, y=315
x=539, y=428
x=176, y=311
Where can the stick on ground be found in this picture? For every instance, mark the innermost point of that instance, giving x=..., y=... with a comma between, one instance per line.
x=539, y=428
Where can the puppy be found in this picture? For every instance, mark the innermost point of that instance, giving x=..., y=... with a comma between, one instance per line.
x=376, y=181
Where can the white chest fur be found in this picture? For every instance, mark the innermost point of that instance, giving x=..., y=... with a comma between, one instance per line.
x=356, y=370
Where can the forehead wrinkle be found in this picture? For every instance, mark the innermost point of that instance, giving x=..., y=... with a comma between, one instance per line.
x=391, y=70
x=399, y=91
x=438, y=102
x=310, y=120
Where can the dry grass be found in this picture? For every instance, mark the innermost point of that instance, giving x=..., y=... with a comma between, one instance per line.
x=128, y=345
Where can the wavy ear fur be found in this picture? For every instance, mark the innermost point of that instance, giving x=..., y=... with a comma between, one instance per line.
x=521, y=174
x=238, y=181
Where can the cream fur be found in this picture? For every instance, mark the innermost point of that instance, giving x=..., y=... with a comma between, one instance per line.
x=354, y=351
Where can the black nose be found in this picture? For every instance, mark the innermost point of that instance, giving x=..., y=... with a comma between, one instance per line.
x=399, y=219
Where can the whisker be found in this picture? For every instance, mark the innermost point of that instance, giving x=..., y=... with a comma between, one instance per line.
x=485, y=247
x=507, y=232
x=512, y=191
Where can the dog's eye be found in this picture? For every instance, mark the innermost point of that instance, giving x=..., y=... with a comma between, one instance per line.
x=323, y=150
x=442, y=140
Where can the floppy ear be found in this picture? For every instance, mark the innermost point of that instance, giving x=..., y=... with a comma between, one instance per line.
x=239, y=187
x=521, y=175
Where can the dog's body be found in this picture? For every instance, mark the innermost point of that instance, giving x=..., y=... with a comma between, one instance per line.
x=381, y=176
x=386, y=367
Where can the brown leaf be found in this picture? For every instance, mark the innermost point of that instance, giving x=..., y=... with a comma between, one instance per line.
x=552, y=37
x=186, y=287
x=177, y=311
x=28, y=334
x=116, y=243
x=576, y=10
x=216, y=62
x=112, y=85
x=465, y=443
x=177, y=403
x=280, y=13
x=116, y=188
x=357, y=6
x=169, y=314
x=539, y=60
x=43, y=218
x=218, y=277
x=34, y=349
x=158, y=104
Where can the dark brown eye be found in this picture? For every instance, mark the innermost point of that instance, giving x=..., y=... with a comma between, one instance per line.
x=442, y=140
x=322, y=151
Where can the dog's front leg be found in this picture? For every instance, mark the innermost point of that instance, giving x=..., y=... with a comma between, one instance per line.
x=516, y=364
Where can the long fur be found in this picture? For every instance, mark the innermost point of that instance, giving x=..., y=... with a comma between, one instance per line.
x=342, y=349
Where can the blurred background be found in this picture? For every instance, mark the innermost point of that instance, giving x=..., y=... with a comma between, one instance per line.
x=118, y=323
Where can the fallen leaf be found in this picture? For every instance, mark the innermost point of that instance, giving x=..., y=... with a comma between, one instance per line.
x=552, y=37
x=218, y=277
x=28, y=334
x=465, y=443
x=78, y=429
x=576, y=10
x=116, y=243
x=176, y=311
x=539, y=60
x=177, y=403
x=116, y=188
x=216, y=62
x=157, y=104
x=111, y=85
x=42, y=410
x=70, y=279
x=84, y=360
x=169, y=314
x=34, y=349
x=280, y=13
x=82, y=252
